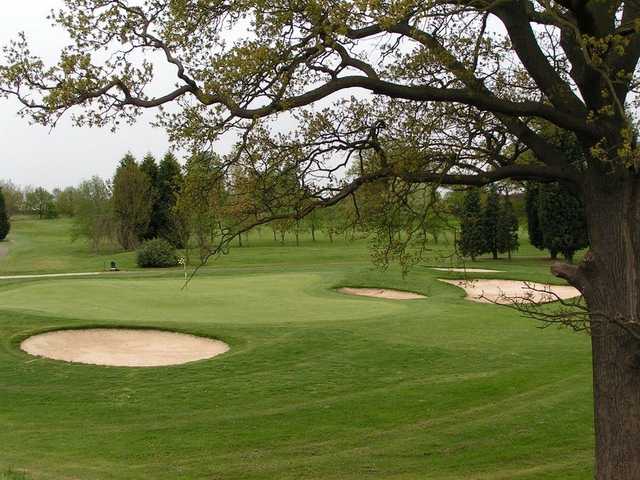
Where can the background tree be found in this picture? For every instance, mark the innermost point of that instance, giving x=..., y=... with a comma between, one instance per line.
x=5, y=224
x=40, y=202
x=507, y=229
x=460, y=86
x=65, y=201
x=169, y=184
x=532, y=194
x=13, y=197
x=150, y=167
x=490, y=219
x=562, y=221
x=132, y=201
x=471, y=242
x=94, y=217
x=200, y=201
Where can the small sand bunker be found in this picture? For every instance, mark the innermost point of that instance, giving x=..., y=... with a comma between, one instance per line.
x=381, y=293
x=123, y=347
x=512, y=291
x=469, y=270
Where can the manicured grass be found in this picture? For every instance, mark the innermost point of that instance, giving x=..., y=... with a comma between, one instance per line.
x=317, y=385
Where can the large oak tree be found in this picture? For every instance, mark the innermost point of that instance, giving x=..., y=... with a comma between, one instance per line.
x=448, y=92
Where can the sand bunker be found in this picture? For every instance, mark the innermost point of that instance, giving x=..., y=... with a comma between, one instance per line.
x=123, y=347
x=470, y=270
x=512, y=291
x=381, y=293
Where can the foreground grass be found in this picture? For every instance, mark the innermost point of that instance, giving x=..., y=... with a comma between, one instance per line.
x=317, y=384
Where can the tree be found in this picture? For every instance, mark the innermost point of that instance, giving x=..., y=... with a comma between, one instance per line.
x=461, y=87
x=168, y=185
x=200, y=201
x=40, y=202
x=532, y=195
x=132, y=201
x=471, y=242
x=5, y=224
x=507, y=228
x=490, y=219
x=562, y=221
x=94, y=217
x=150, y=168
x=65, y=201
x=13, y=197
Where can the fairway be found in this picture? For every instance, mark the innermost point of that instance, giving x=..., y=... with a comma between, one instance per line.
x=316, y=384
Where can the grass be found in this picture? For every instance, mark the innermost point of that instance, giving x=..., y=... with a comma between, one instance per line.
x=317, y=385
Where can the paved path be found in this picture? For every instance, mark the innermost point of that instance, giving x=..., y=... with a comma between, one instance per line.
x=51, y=275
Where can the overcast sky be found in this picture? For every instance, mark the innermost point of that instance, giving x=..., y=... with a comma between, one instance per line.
x=33, y=155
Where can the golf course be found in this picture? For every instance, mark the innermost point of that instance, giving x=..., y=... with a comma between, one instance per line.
x=316, y=384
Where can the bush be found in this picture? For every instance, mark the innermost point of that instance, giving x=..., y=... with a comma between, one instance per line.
x=157, y=253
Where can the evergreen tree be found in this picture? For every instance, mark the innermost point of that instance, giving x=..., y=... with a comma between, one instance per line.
x=490, y=219
x=471, y=242
x=5, y=224
x=150, y=168
x=562, y=220
x=532, y=195
x=169, y=184
x=507, y=240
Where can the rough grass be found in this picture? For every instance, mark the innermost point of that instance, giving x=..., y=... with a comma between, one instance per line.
x=317, y=385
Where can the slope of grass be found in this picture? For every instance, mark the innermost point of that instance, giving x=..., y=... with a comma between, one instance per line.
x=317, y=385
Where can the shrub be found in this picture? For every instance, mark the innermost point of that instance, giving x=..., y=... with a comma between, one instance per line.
x=157, y=253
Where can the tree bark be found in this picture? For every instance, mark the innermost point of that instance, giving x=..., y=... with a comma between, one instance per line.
x=609, y=278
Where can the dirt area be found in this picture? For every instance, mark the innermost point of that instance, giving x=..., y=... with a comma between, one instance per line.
x=468, y=270
x=4, y=249
x=381, y=293
x=512, y=291
x=123, y=347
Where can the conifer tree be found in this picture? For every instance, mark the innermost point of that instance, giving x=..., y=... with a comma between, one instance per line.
x=150, y=168
x=532, y=194
x=507, y=239
x=471, y=242
x=5, y=224
x=562, y=220
x=490, y=219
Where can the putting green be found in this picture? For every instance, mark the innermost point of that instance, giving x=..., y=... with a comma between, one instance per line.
x=249, y=299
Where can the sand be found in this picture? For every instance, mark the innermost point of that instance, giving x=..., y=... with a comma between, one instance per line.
x=123, y=347
x=381, y=293
x=512, y=291
x=470, y=270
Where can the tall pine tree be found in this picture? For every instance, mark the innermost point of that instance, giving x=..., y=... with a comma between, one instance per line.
x=150, y=168
x=532, y=195
x=490, y=219
x=169, y=184
x=471, y=242
x=507, y=238
x=5, y=224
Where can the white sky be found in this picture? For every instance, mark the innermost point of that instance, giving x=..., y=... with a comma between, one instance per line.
x=33, y=155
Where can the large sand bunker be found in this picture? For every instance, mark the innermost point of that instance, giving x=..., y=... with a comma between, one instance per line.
x=512, y=291
x=381, y=293
x=468, y=270
x=123, y=347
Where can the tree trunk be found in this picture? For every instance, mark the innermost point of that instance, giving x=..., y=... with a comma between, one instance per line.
x=609, y=278
x=313, y=232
